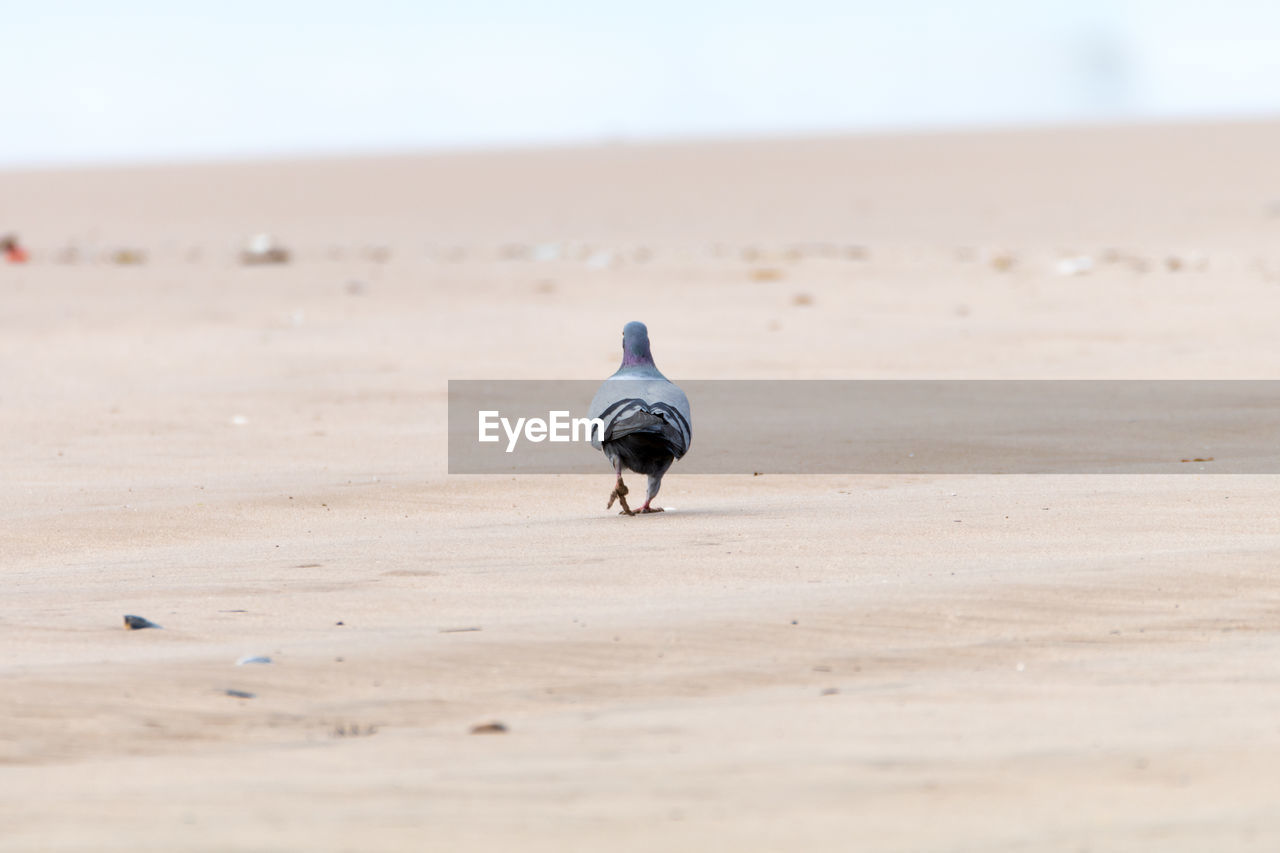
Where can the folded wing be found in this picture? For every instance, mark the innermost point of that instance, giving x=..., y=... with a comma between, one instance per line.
x=648, y=406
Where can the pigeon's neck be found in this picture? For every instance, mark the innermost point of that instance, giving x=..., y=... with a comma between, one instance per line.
x=638, y=359
x=640, y=366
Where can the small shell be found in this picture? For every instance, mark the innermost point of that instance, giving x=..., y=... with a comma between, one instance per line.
x=1077, y=265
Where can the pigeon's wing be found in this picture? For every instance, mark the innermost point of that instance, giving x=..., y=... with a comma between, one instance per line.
x=620, y=398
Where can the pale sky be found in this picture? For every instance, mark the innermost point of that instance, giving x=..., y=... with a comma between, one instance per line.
x=144, y=80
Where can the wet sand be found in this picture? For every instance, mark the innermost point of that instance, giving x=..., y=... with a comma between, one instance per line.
x=254, y=458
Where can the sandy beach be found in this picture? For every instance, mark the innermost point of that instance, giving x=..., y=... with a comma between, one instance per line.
x=254, y=457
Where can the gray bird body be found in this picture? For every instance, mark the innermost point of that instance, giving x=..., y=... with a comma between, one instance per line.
x=647, y=422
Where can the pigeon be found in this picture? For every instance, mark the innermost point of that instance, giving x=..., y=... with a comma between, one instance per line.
x=646, y=419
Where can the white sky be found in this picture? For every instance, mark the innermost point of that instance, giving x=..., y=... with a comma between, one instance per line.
x=139, y=80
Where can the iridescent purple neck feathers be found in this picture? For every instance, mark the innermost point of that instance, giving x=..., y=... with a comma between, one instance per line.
x=635, y=346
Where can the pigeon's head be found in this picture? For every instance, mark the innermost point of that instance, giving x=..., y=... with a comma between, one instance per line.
x=635, y=344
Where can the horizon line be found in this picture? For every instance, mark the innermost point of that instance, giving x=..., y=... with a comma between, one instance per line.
x=269, y=156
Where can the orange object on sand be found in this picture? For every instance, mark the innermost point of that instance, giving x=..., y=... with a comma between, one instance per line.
x=13, y=253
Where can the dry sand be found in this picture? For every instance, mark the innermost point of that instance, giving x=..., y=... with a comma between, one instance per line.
x=255, y=459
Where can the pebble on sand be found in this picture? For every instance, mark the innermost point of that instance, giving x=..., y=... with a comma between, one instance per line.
x=1075, y=265
x=999, y=260
x=263, y=249
x=128, y=257
x=602, y=259
x=544, y=252
x=1191, y=261
x=494, y=728
x=137, y=623
x=1134, y=262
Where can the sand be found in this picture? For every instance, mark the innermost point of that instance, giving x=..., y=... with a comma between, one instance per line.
x=254, y=458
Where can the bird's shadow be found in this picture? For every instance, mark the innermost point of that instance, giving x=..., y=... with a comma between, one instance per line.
x=700, y=512
x=613, y=516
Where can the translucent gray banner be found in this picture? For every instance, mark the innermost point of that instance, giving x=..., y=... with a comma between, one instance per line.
x=893, y=427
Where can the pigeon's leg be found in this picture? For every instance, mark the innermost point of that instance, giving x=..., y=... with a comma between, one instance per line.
x=620, y=491
x=655, y=483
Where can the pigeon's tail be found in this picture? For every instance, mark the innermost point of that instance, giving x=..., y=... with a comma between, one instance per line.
x=639, y=421
x=655, y=420
x=643, y=452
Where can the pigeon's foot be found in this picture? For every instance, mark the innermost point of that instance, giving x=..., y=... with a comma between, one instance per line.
x=619, y=494
x=647, y=508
